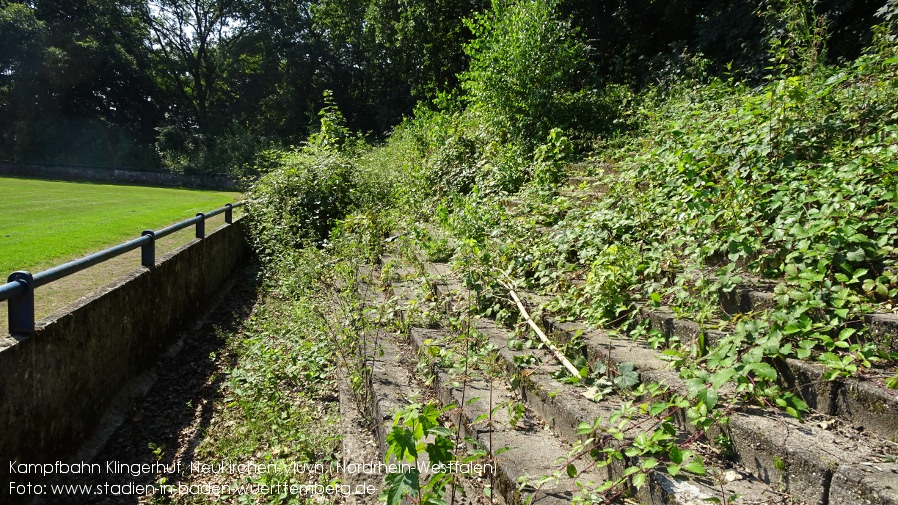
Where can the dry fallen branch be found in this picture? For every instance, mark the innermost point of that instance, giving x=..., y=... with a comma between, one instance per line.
x=542, y=336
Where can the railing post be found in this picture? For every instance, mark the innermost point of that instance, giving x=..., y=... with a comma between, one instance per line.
x=148, y=250
x=21, y=308
x=201, y=225
x=229, y=213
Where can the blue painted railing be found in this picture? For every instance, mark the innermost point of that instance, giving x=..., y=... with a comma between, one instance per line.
x=19, y=290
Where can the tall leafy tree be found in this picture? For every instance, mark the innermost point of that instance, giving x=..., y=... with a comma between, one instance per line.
x=384, y=56
x=527, y=71
x=274, y=88
x=89, y=94
x=22, y=54
x=193, y=41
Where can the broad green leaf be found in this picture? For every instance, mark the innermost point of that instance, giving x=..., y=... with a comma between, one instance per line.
x=708, y=396
x=402, y=444
x=648, y=463
x=675, y=454
x=696, y=467
x=856, y=254
x=400, y=485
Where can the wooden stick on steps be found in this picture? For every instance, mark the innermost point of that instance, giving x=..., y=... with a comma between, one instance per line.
x=542, y=336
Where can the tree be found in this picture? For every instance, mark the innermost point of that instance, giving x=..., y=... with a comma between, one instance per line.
x=193, y=40
x=22, y=48
x=82, y=83
x=527, y=71
x=384, y=56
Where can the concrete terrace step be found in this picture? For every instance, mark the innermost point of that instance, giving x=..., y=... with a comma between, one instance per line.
x=566, y=407
x=862, y=403
x=805, y=459
x=391, y=386
x=882, y=328
x=530, y=451
x=859, y=402
x=526, y=451
x=562, y=408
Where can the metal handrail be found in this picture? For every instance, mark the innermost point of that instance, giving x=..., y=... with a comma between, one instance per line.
x=19, y=290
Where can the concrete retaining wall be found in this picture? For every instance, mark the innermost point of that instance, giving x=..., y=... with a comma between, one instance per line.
x=56, y=384
x=87, y=173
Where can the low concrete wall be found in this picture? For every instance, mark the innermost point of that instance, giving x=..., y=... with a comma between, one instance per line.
x=87, y=173
x=56, y=384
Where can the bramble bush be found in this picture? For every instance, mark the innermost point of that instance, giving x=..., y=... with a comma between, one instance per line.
x=305, y=192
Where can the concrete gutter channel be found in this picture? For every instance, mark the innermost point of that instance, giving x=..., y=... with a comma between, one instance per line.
x=820, y=466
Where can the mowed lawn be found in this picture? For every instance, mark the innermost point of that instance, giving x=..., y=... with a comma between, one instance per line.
x=44, y=223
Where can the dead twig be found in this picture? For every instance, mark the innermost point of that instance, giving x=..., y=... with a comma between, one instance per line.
x=542, y=336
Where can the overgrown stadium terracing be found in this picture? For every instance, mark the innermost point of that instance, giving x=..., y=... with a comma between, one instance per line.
x=550, y=437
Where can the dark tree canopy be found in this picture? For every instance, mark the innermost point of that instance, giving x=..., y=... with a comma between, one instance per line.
x=205, y=84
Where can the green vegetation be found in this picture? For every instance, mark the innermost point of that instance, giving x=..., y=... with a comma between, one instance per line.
x=45, y=223
x=712, y=181
x=277, y=377
x=765, y=161
x=206, y=85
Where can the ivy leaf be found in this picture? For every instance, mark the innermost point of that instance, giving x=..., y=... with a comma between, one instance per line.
x=605, y=486
x=804, y=349
x=440, y=431
x=846, y=333
x=798, y=403
x=855, y=255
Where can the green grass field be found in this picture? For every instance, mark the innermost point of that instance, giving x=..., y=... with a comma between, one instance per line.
x=44, y=223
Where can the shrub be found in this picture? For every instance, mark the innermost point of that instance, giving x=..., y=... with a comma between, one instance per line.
x=527, y=71
x=298, y=202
